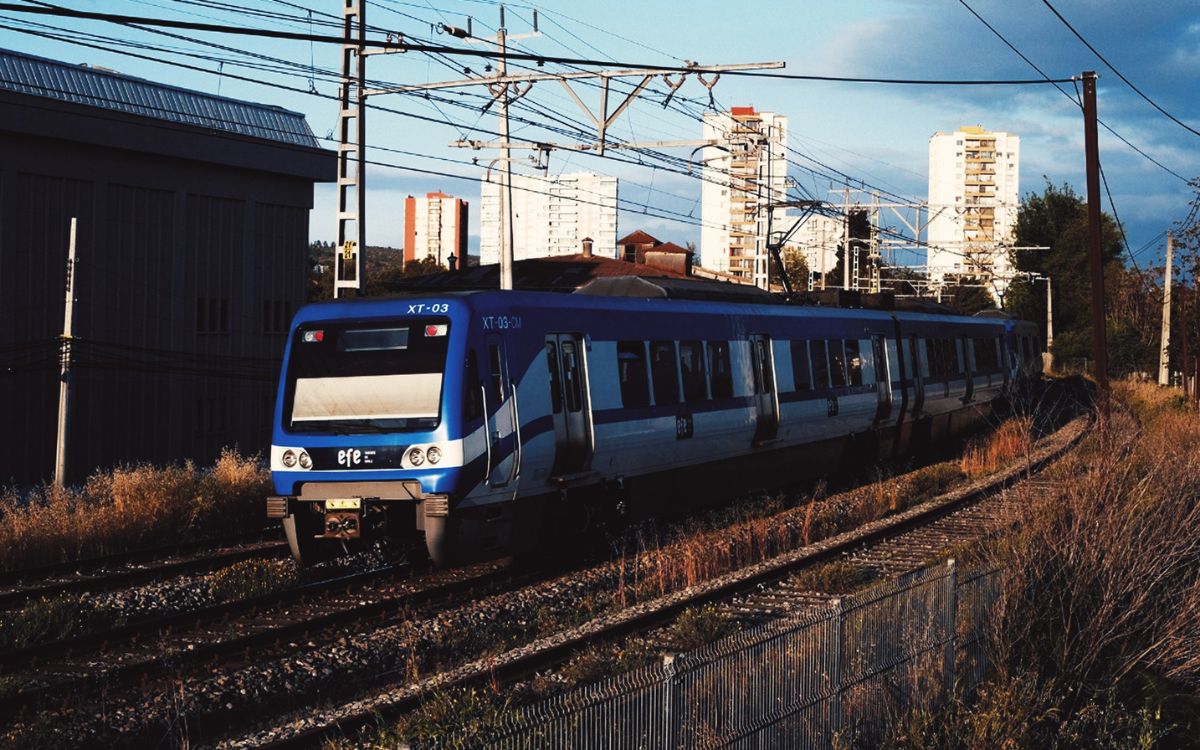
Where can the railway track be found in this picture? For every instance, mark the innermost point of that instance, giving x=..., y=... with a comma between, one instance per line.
x=894, y=556
x=886, y=547
x=133, y=568
x=125, y=656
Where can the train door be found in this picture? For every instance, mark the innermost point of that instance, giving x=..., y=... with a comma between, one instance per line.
x=883, y=377
x=504, y=438
x=569, y=404
x=766, y=400
x=914, y=348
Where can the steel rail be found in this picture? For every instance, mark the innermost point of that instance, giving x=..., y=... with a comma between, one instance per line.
x=556, y=649
x=134, y=576
x=9, y=578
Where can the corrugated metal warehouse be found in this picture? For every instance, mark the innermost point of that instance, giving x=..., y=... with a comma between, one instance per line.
x=192, y=215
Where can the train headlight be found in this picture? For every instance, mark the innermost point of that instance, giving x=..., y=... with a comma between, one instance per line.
x=434, y=454
x=416, y=456
x=289, y=458
x=305, y=460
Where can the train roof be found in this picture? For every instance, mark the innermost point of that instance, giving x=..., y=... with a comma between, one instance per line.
x=638, y=295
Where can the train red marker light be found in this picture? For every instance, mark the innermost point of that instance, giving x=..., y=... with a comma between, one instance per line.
x=435, y=330
x=314, y=337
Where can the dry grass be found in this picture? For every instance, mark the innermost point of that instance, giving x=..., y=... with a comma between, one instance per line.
x=700, y=550
x=1096, y=638
x=1013, y=440
x=129, y=508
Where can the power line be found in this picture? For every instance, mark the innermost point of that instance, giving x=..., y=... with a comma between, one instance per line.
x=1074, y=99
x=1120, y=75
x=404, y=46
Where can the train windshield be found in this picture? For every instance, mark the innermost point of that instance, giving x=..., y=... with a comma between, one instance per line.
x=364, y=378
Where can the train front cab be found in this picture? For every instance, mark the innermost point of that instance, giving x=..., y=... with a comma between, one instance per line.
x=367, y=437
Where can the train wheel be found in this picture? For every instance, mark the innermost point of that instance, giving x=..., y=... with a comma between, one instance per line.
x=301, y=530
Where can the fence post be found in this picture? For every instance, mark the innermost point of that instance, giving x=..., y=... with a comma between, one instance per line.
x=669, y=718
x=836, y=678
x=951, y=620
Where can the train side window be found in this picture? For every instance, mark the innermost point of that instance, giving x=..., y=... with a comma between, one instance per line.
x=472, y=396
x=800, y=371
x=664, y=372
x=552, y=364
x=820, y=364
x=854, y=363
x=691, y=367
x=985, y=354
x=936, y=353
x=572, y=382
x=631, y=370
x=495, y=375
x=720, y=369
x=837, y=363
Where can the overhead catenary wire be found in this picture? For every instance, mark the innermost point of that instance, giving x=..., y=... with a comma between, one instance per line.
x=541, y=58
x=1074, y=99
x=1118, y=73
x=466, y=52
x=638, y=209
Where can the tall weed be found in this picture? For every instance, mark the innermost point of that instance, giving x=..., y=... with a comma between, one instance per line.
x=131, y=507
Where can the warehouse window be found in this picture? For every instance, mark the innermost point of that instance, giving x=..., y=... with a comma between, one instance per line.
x=631, y=371
x=212, y=315
x=276, y=315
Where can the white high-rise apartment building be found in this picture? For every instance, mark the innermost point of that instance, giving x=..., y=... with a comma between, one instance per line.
x=974, y=184
x=744, y=172
x=551, y=216
x=818, y=238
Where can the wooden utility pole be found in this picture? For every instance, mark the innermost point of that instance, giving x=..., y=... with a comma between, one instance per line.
x=64, y=379
x=1095, y=261
x=1164, y=350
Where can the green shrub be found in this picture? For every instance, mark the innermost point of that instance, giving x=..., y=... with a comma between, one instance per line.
x=251, y=578
x=837, y=577
x=54, y=618
x=699, y=626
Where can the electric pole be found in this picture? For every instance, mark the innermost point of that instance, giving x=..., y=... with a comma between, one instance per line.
x=1164, y=353
x=505, y=89
x=1048, y=360
x=348, y=265
x=64, y=378
x=1095, y=262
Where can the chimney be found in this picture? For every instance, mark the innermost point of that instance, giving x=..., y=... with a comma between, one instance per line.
x=587, y=247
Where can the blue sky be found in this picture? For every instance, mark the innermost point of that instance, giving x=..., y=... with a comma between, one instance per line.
x=876, y=134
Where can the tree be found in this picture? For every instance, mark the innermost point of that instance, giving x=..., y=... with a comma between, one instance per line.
x=967, y=298
x=796, y=268
x=1057, y=218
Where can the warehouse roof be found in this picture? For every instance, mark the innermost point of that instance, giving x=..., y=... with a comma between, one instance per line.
x=94, y=87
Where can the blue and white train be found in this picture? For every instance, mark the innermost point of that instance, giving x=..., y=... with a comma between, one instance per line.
x=471, y=418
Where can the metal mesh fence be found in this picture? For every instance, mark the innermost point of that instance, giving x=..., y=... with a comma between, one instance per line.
x=792, y=683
